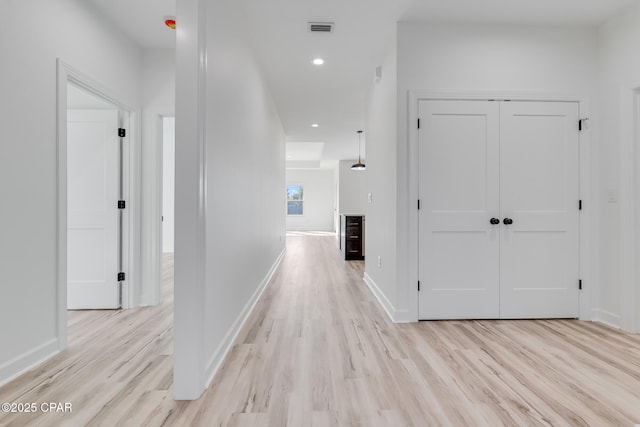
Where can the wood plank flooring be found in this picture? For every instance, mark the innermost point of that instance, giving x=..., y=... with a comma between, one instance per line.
x=319, y=351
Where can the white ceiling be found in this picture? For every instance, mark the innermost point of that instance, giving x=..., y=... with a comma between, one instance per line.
x=307, y=151
x=333, y=95
x=142, y=20
x=538, y=12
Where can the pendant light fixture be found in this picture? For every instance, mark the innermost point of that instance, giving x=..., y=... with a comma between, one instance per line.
x=359, y=166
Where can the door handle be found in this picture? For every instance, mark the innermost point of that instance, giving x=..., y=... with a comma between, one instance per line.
x=507, y=221
x=494, y=221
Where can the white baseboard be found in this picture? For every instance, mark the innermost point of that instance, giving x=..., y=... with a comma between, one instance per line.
x=223, y=349
x=609, y=319
x=396, y=316
x=402, y=316
x=27, y=361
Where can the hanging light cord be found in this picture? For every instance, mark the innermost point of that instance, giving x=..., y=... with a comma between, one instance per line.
x=359, y=166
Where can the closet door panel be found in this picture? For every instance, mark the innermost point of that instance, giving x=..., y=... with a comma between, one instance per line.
x=539, y=180
x=458, y=189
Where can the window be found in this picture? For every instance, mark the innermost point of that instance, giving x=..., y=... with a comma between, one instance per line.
x=295, y=200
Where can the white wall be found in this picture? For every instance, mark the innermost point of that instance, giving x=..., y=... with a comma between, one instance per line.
x=230, y=214
x=465, y=58
x=168, y=182
x=381, y=183
x=157, y=82
x=318, y=187
x=352, y=188
x=618, y=297
x=28, y=156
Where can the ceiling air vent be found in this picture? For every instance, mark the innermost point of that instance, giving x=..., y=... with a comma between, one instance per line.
x=321, y=27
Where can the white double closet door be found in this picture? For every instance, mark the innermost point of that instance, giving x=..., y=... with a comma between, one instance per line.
x=498, y=223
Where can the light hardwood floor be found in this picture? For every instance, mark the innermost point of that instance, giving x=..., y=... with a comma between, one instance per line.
x=319, y=351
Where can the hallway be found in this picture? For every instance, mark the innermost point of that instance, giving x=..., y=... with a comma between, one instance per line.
x=319, y=351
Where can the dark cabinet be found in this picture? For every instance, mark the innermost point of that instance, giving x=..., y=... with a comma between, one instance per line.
x=352, y=236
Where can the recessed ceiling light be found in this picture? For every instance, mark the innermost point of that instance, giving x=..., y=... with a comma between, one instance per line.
x=315, y=125
x=318, y=61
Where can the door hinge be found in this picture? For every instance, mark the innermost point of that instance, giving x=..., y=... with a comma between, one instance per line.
x=582, y=123
x=418, y=123
x=121, y=277
x=418, y=285
x=580, y=284
x=418, y=204
x=122, y=132
x=121, y=204
x=580, y=205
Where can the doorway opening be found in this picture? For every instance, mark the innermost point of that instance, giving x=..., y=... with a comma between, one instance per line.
x=96, y=255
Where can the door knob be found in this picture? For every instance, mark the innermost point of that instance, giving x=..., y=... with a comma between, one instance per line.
x=507, y=221
x=494, y=221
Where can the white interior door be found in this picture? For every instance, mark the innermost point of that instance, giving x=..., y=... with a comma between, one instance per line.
x=458, y=192
x=516, y=162
x=92, y=215
x=539, y=192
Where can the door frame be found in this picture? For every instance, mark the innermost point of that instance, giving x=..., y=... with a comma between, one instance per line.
x=130, y=247
x=587, y=182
